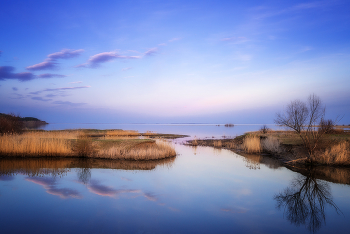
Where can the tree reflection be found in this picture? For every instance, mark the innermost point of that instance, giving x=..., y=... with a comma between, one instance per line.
x=304, y=201
x=84, y=175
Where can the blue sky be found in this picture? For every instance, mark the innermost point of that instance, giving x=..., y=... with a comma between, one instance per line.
x=172, y=61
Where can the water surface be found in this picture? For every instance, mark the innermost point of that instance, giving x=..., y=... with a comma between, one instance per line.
x=202, y=190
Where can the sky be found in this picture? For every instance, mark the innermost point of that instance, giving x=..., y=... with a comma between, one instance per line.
x=172, y=61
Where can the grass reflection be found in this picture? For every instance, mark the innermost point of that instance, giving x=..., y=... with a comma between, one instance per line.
x=59, y=167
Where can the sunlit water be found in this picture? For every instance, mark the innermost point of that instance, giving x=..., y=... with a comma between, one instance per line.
x=202, y=190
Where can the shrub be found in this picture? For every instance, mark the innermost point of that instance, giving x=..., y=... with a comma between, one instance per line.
x=264, y=129
x=10, y=124
x=271, y=144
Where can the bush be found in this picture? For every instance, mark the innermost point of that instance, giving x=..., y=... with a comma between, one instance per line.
x=10, y=124
x=264, y=129
x=271, y=144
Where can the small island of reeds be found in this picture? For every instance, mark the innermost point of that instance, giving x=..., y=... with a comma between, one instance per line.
x=88, y=143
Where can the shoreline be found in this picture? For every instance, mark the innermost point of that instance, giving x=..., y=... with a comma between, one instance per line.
x=287, y=148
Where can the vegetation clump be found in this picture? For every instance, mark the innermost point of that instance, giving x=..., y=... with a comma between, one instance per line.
x=84, y=143
x=10, y=124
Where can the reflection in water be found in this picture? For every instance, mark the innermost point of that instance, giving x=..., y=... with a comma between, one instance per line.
x=253, y=161
x=59, y=167
x=304, y=201
x=50, y=185
x=84, y=175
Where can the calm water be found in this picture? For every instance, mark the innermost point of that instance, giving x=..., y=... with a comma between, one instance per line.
x=202, y=190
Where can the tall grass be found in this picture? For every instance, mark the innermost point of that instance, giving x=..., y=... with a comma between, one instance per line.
x=35, y=146
x=251, y=144
x=146, y=151
x=335, y=155
x=217, y=143
x=81, y=144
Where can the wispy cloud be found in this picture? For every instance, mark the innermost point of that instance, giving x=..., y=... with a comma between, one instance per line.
x=126, y=68
x=65, y=54
x=175, y=39
x=14, y=88
x=235, y=40
x=49, y=75
x=264, y=12
x=60, y=89
x=67, y=103
x=151, y=51
x=97, y=59
x=41, y=99
x=46, y=65
x=75, y=82
x=50, y=62
x=7, y=72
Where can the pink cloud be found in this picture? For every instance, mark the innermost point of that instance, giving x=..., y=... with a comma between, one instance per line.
x=97, y=59
x=151, y=51
x=50, y=61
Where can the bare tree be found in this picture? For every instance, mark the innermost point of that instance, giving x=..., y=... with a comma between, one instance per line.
x=307, y=120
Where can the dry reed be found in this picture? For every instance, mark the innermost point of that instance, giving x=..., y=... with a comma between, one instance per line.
x=230, y=145
x=335, y=155
x=149, y=151
x=251, y=144
x=80, y=144
x=218, y=143
x=30, y=144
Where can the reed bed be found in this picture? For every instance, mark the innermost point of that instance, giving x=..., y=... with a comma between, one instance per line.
x=84, y=144
x=29, y=144
x=230, y=145
x=147, y=151
x=218, y=143
x=251, y=144
x=335, y=155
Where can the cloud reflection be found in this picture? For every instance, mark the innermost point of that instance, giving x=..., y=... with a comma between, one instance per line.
x=6, y=178
x=235, y=210
x=103, y=190
x=97, y=188
x=49, y=184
